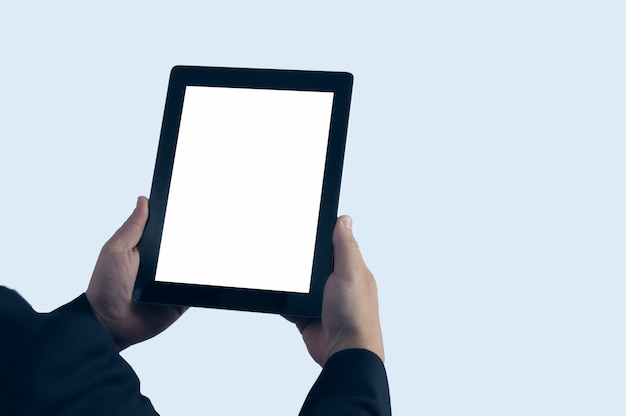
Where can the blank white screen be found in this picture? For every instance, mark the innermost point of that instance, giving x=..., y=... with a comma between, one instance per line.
x=245, y=191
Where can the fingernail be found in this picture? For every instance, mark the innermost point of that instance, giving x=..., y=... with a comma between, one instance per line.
x=347, y=222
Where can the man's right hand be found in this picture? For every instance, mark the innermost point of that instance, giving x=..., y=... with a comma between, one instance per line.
x=350, y=305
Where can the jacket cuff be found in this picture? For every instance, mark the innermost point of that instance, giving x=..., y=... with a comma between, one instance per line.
x=352, y=382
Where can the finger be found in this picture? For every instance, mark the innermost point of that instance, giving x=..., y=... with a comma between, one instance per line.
x=129, y=234
x=301, y=323
x=346, y=250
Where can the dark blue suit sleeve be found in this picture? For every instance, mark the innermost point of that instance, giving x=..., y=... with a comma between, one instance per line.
x=353, y=382
x=66, y=363
x=62, y=363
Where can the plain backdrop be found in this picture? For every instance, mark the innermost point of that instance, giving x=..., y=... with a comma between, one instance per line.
x=484, y=172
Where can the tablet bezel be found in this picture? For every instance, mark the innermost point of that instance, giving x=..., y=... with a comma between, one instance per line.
x=286, y=303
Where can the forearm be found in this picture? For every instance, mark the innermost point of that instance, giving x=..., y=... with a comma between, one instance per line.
x=353, y=382
x=66, y=362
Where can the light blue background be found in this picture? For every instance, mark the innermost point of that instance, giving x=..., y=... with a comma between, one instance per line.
x=484, y=172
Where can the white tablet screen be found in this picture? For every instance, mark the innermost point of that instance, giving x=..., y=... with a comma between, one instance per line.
x=245, y=192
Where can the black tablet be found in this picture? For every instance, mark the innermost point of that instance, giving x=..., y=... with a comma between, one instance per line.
x=245, y=190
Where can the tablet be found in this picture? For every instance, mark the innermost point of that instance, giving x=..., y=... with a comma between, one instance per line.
x=245, y=190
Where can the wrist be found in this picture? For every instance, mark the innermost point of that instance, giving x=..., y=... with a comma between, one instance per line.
x=373, y=344
x=105, y=322
x=82, y=308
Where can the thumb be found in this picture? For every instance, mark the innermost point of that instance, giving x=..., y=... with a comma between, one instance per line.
x=346, y=250
x=129, y=234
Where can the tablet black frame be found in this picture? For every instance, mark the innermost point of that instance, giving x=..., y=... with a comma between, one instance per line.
x=286, y=303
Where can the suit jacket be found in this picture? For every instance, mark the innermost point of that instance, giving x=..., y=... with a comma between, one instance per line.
x=66, y=363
